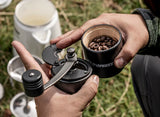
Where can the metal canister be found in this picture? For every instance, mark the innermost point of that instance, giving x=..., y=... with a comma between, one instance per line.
x=35, y=23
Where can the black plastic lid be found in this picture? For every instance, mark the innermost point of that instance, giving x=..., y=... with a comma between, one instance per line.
x=49, y=54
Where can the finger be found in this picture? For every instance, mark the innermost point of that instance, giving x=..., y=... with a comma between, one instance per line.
x=87, y=92
x=75, y=35
x=70, y=39
x=27, y=59
x=60, y=37
x=47, y=69
x=129, y=50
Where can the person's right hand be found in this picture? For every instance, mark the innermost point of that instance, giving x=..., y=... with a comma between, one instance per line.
x=132, y=27
x=54, y=102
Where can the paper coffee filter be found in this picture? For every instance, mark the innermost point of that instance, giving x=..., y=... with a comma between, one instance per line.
x=35, y=12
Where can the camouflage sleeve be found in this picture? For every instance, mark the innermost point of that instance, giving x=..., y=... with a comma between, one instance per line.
x=153, y=26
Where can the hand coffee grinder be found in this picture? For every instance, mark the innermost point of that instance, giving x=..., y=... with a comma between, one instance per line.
x=69, y=74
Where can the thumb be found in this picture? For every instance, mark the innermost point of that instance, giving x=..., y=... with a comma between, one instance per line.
x=69, y=38
x=87, y=92
x=129, y=50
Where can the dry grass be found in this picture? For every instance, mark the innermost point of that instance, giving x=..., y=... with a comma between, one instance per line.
x=116, y=96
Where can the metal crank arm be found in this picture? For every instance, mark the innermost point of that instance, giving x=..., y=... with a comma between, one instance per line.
x=67, y=66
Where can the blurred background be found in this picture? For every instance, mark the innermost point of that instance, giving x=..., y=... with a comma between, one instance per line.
x=115, y=97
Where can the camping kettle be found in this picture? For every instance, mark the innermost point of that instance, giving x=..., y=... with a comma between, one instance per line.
x=36, y=22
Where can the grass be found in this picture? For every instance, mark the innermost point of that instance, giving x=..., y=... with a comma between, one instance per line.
x=116, y=96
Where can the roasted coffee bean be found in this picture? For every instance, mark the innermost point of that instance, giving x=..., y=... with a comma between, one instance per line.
x=106, y=40
x=105, y=48
x=91, y=44
x=103, y=44
x=95, y=45
x=98, y=40
x=94, y=40
x=100, y=48
x=103, y=38
x=109, y=43
x=100, y=43
x=95, y=49
x=113, y=42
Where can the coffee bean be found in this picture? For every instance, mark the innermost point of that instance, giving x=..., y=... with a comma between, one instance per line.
x=103, y=44
x=103, y=38
x=91, y=44
x=113, y=42
x=95, y=49
x=109, y=43
x=95, y=45
x=94, y=40
x=105, y=48
x=106, y=40
x=98, y=40
x=100, y=48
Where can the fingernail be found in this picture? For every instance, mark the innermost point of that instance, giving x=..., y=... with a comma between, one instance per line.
x=120, y=63
x=96, y=79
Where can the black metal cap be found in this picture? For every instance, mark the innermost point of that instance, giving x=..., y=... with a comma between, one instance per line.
x=70, y=52
x=32, y=83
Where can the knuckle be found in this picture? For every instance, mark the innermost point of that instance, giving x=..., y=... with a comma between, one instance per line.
x=129, y=53
x=90, y=22
x=82, y=30
x=102, y=15
x=104, y=18
x=92, y=89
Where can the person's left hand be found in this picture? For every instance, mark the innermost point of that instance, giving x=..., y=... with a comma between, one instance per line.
x=132, y=27
x=53, y=102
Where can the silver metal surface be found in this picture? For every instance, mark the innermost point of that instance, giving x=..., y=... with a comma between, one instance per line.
x=22, y=106
x=1, y=91
x=4, y=3
x=16, y=68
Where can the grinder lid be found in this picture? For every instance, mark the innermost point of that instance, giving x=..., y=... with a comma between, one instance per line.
x=49, y=54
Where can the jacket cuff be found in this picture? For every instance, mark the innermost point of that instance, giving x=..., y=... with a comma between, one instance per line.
x=153, y=26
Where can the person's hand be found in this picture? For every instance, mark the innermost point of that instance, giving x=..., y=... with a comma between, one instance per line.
x=53, y=102
x=132, y=27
